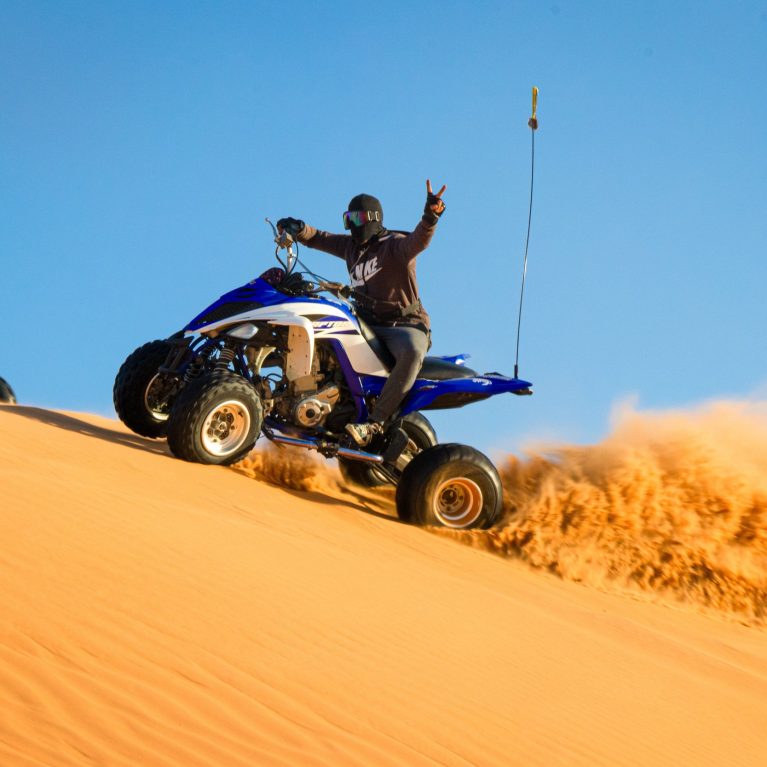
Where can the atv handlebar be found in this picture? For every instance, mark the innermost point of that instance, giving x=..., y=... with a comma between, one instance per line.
x=284, y=241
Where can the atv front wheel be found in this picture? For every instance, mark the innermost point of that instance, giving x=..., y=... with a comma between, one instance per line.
x=215, y=419
x=421, y=435
x=140, y=393
x=451, y=486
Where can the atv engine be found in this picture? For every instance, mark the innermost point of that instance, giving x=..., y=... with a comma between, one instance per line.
x=312, y=410
x=311, y=405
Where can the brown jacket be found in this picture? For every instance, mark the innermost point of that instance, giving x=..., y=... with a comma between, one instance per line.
x=383, y=270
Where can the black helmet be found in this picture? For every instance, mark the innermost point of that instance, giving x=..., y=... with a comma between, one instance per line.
x=364, y=219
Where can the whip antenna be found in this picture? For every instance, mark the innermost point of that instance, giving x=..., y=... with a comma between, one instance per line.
x=533, y=123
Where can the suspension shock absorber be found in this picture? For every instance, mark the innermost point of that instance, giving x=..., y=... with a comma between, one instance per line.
x=225, y=356
x=195, y=369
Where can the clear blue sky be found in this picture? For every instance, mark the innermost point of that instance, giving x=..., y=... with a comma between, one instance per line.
x=142, y=144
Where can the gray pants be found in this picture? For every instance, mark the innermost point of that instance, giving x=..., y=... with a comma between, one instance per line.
x=408, y=346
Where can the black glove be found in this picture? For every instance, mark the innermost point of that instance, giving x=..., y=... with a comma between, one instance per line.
x=292, y=226
x=432, y=199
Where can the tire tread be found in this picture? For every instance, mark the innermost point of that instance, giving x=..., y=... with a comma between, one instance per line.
x=425, y=464
x=190, y=404
x=129, y=406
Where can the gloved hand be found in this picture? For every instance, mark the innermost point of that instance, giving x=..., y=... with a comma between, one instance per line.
x=292, y=226
x=434, y=207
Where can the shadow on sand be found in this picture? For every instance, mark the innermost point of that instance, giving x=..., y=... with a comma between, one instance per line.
x=70, y=423
x=159, y=447
x=358, y=502
x=362, y=504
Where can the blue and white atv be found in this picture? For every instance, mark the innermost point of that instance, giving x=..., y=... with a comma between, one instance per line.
x=289, y=359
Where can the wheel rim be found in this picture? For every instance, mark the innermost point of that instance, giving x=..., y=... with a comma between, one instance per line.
x=225, y=428
x=458, y=502
x=151, y=394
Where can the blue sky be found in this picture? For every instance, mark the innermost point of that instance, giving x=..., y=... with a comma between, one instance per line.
x=142, y=144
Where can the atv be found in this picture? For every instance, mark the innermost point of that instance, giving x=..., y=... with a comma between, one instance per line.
x=287, y=357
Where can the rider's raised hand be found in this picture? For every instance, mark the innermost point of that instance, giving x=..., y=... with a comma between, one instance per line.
x=292, y=226
x=435, y=206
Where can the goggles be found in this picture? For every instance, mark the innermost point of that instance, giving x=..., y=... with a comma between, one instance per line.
x=360, y=217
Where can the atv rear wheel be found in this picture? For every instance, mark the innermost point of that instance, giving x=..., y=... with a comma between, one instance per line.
x=215, y=419
x=451, y=486
x=139, y=392
x=420, y=433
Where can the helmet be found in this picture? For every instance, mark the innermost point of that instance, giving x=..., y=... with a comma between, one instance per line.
x=364, y=219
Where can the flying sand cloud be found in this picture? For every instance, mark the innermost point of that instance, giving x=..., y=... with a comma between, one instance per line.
x=671, y=502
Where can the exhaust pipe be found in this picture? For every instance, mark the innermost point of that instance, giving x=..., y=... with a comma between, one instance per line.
x=343, y=452
x=359, y=455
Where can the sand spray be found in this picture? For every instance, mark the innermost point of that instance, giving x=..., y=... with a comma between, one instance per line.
x=671, y=503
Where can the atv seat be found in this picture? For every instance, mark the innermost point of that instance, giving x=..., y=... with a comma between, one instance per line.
x=438, y=369
x=434, y=368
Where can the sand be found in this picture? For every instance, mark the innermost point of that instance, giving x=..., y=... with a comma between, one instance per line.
x=162, y=613
x=672, y=503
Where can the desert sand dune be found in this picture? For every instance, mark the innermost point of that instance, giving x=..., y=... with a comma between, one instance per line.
x=162, y=613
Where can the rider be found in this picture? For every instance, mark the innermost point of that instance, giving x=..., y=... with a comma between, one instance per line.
x=381, y=265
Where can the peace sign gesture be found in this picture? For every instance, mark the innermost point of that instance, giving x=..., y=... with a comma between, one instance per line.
x=434, y=204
